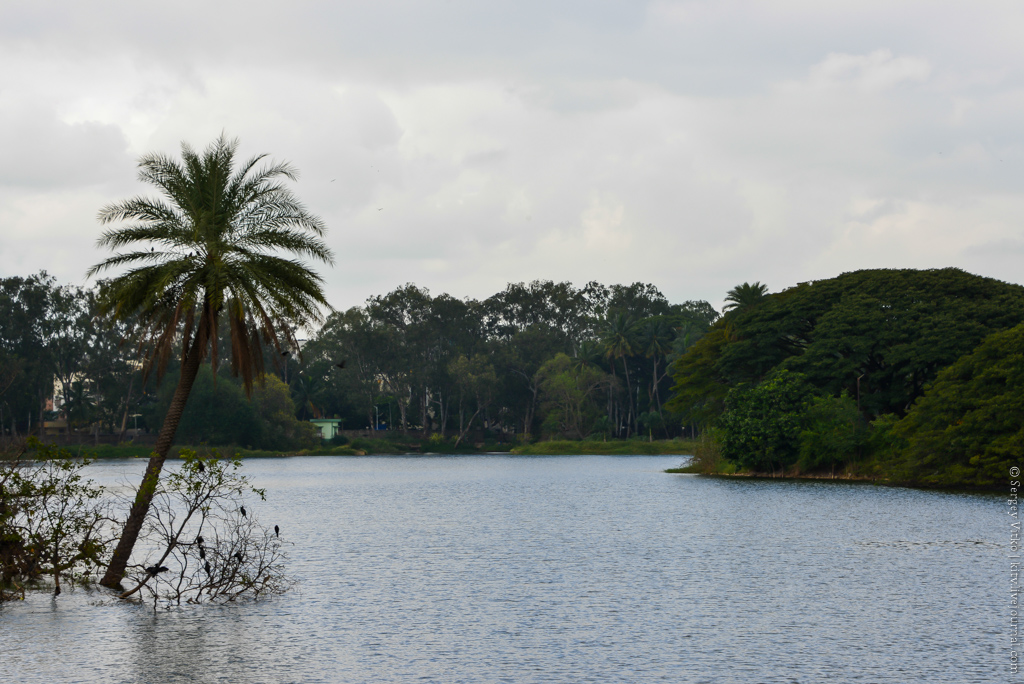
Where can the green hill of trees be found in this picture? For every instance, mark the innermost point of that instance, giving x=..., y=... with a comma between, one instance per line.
x=897, y=374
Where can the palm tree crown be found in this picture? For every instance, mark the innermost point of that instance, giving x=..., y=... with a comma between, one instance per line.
x=745, y=295
x=220, y=231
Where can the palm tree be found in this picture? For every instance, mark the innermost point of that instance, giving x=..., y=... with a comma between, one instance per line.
x=744, y=296
x=221, y=231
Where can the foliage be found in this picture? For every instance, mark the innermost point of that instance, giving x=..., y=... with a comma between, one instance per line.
x=201, y=544
x=275, y=413
x=880, y=335
x=969, y=425
x=745, y=296
x=55, y=344
x=400, y=351
x=53, y=521
x=217, y=412
x=219, y=229
x=475, y=382
x=762, y=423
x=700, y=391
x=568, y=393
x=833, y=433
x=615, y=447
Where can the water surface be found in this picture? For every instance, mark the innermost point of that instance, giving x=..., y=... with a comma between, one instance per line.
x=563, y=569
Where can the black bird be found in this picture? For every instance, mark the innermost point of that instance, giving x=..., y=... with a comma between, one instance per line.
x=202, y=468
x=202, y=552
x=277, y=531
x=238, y=556
x=206, y=566
x=199, y=540
x=341, y=364
x=155, y=570
x=286, y=353
x=242, y=511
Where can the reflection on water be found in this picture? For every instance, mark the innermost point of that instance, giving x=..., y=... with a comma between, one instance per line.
x=566, y=569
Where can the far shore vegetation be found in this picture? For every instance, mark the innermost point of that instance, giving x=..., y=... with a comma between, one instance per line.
x=896, y=376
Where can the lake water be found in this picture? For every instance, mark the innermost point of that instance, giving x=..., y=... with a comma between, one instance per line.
x=564, y=569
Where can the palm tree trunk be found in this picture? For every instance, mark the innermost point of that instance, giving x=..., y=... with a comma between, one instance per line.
x=144, y=498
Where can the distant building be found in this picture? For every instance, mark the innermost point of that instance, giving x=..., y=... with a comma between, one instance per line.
x=329, y=428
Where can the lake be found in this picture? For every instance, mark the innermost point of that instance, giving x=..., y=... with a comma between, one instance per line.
x=563, y=569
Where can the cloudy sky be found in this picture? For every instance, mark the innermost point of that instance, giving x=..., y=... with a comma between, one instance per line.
x=462, y=145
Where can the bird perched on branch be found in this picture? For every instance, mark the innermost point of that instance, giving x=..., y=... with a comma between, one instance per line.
x=277, y=531
x=155, y=570
x=242, y=511
x=206, y=566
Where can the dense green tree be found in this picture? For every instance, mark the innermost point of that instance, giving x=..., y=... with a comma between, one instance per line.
x=573, y=313
x=636, y=301
x=26, y=378
x=218, y=412
x=221, y=230
x=969, y=425
x=761, y=424
x=569, y=394
x=401, y=345
x=617, y=337
x=343, y=357
x=700, y=390
x=517, y=361
x=275, y=411
x=475, y=382
x=655, y=341
x=833, y=433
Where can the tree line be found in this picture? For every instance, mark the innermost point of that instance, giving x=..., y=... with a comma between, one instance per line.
x=536, y=359
x=539, y=358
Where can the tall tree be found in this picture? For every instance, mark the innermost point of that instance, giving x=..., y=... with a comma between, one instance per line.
x=220, y=230
x=745, y=296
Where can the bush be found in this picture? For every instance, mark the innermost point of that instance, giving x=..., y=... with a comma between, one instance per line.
x=761, y=425
x=53, y=522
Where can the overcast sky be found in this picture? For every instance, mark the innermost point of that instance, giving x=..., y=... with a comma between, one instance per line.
x=462, y=145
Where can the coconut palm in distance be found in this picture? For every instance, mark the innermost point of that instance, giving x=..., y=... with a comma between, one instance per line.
x=744, y=296
x=221, y=233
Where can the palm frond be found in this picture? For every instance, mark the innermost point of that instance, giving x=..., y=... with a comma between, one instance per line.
x=221, y=232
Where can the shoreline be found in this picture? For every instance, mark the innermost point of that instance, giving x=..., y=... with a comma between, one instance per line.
x=844, y=478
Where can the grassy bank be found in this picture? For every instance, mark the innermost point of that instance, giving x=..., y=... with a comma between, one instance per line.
x=610, y=448
x=391, y=444
x=395, y=444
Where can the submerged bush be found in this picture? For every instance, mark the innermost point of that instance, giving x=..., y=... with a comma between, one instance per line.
x=54, y=523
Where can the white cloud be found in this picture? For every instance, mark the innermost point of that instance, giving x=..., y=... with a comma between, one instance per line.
x=878, y=70
x=695, y=145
